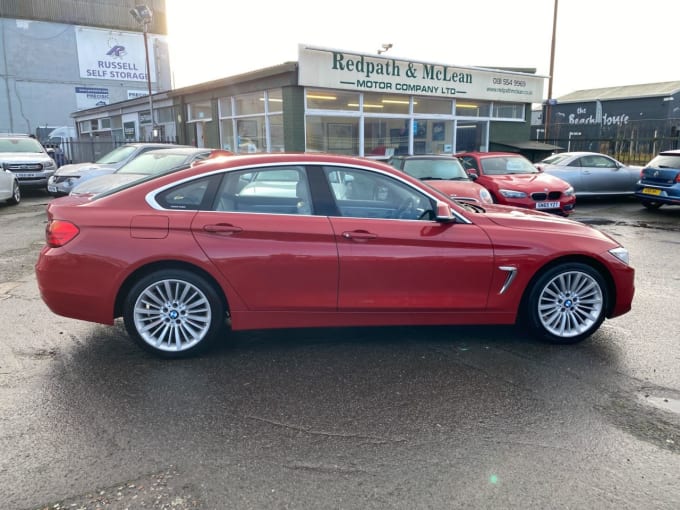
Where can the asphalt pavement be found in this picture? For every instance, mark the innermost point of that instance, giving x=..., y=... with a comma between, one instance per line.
x=357, y=418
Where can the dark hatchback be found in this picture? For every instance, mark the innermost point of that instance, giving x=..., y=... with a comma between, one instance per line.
x=659, y=182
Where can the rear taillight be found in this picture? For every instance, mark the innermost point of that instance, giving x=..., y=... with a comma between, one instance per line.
x=60, y=232
x=677, y=177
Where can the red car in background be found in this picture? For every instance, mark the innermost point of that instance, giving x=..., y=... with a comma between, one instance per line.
x=513, y=180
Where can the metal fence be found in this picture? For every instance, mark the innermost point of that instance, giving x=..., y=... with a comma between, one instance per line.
x=81, y=151
x=630, y=151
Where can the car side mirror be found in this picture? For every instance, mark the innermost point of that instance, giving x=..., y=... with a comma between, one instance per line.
x=444, y=214
x=473, y=175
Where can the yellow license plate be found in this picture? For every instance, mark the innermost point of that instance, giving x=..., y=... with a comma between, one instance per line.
x=651, y=191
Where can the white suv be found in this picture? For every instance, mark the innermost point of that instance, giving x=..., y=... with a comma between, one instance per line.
x=27, y=159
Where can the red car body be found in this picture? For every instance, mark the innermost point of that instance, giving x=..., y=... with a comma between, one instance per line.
x=513, y=180
x=328, y=264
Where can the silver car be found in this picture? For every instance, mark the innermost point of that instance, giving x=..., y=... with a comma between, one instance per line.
x=69, y=176
x=9, y=188
x=592, y=174
x=27, y=159
x=154, y=162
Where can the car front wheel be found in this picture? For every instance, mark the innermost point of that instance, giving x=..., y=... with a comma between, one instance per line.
x=173, y=313
x=16, y=194
x=567, y=303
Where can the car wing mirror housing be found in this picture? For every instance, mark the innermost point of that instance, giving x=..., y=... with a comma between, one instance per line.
x=472, y=175
x=444, y=214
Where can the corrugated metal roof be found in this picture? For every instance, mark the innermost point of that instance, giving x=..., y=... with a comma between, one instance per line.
x=623, y=92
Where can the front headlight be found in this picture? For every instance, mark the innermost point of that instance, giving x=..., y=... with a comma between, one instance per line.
x=569, y=192
x=50, y=165
x=622, y=254
x=509, y=193
x=485, y=196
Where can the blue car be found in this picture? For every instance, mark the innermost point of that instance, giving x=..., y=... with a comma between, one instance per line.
x=659, y=182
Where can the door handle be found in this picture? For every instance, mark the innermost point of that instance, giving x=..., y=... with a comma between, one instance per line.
x=359, y=235
x=222, y=228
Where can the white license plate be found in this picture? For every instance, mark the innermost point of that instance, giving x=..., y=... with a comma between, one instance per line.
x=25, y=175
x=547, y=205
x=52, y=189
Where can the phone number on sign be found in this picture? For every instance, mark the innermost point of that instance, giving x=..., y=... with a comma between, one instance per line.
x=509, y=81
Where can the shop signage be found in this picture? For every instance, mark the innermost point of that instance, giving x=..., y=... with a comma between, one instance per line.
x=112, y=55
x=91, y=97
x=336, y=69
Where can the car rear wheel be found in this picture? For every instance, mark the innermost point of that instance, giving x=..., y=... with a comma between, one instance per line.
x=567, y=303
x=651, y=204
x=173, y=313
x=16, y=194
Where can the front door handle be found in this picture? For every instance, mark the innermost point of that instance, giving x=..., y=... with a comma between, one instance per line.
x=359, y=235
x=222, y=228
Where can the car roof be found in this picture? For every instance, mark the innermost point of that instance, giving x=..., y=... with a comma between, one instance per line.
x=424, y=156
x=180, y=150
x=672, y=152
x=487, y=154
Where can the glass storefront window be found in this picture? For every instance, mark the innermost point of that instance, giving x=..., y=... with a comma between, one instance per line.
x=249, y=104
x=251, y=135
x=332, y=100
x=227, y=133
x=466, y=108
x=427, y=105
x=200, y=111
x=385, y=137
x=508, y=111
x=339, y=135
x=225, y=107
x=275, y=100
x=276, y=133
x=384, y=103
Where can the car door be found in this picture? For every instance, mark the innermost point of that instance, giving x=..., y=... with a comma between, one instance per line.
x=264, y=239
x=394, y=259
x=600, y=174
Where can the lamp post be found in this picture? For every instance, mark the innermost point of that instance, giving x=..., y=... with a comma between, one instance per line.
x=143, y=15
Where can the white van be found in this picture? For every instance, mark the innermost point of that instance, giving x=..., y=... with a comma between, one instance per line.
x=60, y=140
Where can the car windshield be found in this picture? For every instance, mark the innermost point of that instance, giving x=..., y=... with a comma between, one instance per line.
x=666, y=161
x=505, y=165
x=555, y=159
x=449, y=169
x=116, y=155
x=153, y=163
x=20, y=145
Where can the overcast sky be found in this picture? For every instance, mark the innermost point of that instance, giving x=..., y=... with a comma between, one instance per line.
x=599, y=43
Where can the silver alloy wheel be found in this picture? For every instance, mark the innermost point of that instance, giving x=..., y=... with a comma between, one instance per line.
x=570, y=304
x=172, y=315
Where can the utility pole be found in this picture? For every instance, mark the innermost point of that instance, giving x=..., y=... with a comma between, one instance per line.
x=548, y=106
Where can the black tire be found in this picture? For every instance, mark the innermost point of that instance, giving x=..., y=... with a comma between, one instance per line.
x=16, y=194
x=567, y=303
x=174, y=313
x=652, y=205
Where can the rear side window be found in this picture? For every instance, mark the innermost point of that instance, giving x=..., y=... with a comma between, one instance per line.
x=187, y=196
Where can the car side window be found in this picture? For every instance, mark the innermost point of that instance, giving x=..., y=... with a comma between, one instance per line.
x=270, y=190
x=365, y=194
x=187, y=196
x=469, y=164
x=597, y=162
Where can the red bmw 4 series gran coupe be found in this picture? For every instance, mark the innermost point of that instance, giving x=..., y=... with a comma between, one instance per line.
x=318, y=240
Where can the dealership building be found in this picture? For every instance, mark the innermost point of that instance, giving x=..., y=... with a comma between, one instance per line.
x=339, y=101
